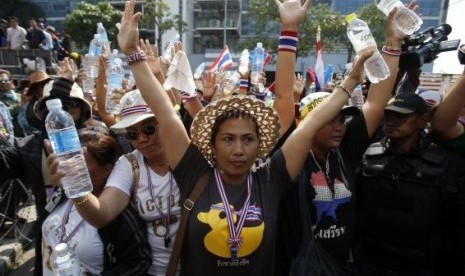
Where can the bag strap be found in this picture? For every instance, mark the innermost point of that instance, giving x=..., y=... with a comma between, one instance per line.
x=135, y=175
x=307, y=233
x=180, y=234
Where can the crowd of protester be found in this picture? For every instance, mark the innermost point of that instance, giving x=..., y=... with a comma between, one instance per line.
x=233, y=185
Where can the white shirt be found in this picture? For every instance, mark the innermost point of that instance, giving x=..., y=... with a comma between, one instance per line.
x=48, y=45
x=16, y=37
x=86, y=242
x=121, y=178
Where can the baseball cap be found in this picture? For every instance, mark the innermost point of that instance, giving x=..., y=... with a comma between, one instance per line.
x=312, y=100
x=407, y=103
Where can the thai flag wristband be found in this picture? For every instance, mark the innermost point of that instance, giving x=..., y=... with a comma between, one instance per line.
x=243, y=83
x=288, y=41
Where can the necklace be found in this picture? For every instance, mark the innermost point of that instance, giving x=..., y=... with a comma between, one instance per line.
x=329, y=181
x=65, y=220
x=235, y=239
x=164, y=217
x=156, y=162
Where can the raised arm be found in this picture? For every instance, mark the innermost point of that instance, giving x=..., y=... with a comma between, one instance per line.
x=445, y=119
x=173, y=136
x=292, y=14
x=380, y=93
x=296, y=147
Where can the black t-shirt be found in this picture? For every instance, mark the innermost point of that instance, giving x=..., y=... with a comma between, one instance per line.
x=332, y=208
x=206, y=250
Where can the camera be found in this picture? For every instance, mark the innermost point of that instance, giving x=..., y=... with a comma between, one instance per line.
x=423, y=47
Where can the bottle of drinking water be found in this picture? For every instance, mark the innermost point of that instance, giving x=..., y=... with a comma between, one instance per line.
x=257, y=64
x=168, y=53
x=65, y=143
x=65, y=262
x=115, y=79
x=405, y=19
x=357, y=96
x=103, y=37
x=244, y=62
x=95, y=46
x=362, y=40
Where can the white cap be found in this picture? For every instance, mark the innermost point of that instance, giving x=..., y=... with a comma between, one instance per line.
x=53, y=103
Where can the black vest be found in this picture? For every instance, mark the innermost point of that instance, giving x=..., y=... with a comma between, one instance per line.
x=401, y=199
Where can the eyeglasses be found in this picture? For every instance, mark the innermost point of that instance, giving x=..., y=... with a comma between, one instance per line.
x=146, y=130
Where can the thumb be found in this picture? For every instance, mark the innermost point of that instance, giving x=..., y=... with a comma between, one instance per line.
x=392, y=13
x=136, y=18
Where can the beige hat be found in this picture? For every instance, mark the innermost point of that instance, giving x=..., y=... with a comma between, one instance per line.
x=133, y=110
x=35, y=80
x=266, y=118
x=75, y=93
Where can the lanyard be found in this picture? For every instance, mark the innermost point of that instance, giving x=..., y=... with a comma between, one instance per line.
x=164, y=217
x=235, y=239
x=64, y=221
x=329, y=181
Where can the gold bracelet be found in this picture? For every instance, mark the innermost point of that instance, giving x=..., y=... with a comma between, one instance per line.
x=82, y=200
x=349, y=93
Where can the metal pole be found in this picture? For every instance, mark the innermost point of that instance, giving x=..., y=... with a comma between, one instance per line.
x=225, y=21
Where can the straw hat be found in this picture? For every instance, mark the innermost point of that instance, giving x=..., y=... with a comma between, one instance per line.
x=75, y=94
x=266, y=118
x=36, y=79
x=312, y=100
x=133, y=110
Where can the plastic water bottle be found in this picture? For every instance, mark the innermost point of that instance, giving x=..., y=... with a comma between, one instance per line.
x=231, y=82
x=257, y=64
x=90, y=65
x=65, y=143
x=362, y=40
x=65, y=262
x=405, y=19
x=168, y=53
x=199, y=71
x=357, y=97
x=115, y=79
x=103, y=37
x=95, y=46
x=244, y=62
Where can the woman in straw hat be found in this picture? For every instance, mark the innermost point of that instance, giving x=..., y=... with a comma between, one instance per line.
x=227, y=138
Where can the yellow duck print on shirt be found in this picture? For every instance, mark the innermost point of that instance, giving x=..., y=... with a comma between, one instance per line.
x=216, y=241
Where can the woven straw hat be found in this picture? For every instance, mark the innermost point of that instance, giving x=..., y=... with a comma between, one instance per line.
x=266, y=118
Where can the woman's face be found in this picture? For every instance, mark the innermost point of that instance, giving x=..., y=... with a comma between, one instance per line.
x=145, y=139
x=98, y=173
x=331, y=135
x=236, y=149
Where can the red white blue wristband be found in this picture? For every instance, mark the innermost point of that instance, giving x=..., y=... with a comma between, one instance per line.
x=288, y=41
x=243, y=83
x=138, y=56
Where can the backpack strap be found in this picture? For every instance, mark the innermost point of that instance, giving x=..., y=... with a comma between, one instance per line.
x=187, y=206
x=135, y=175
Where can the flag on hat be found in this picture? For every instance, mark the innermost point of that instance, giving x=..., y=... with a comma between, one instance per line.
x=222, y=62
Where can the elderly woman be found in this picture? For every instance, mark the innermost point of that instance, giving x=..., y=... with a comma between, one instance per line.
x=231, y=228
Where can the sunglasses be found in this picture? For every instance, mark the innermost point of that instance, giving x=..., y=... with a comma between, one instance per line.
x=146, y=130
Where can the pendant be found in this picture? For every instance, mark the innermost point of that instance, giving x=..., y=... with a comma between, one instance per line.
x=234, y=253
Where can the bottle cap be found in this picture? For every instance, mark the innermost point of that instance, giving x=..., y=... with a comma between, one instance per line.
x=61, y=247
x=99, y=25
x=351, y=17
x=53, y=103
x=259, y=45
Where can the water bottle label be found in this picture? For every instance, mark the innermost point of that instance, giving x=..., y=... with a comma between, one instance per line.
x=363, y=39
x=65, y=140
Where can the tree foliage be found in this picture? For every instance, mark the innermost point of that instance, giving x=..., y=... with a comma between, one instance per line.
x=81, y=24
x=265, y=16
x=157, y=13
x=23, y=10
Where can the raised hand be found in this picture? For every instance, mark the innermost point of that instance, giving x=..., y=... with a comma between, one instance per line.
x=299, y=85
x=153, y=60
x=128, y=35
x=66, y=69
x=356, y=75
x=209, y=85
x=394, y=36
x=292, y=12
